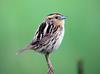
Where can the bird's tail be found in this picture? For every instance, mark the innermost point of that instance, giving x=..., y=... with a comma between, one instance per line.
x=23, y=50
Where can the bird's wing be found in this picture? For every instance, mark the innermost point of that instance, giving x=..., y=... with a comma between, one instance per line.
x=40, y=32
x=44, y=33
x=39, y=43
x=44, y=29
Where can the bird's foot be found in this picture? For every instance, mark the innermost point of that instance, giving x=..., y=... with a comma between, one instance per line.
x=51, y=70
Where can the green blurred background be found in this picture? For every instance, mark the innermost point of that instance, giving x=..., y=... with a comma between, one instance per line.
x=20, y=18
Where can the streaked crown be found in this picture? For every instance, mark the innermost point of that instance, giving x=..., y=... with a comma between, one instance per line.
x=56, y=16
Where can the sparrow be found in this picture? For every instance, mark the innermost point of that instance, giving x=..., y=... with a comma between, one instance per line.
x=48, y=37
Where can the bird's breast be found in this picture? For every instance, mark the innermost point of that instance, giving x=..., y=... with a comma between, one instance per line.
x=59, y=39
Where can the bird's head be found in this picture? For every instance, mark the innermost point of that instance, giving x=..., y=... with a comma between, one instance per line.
x=56, y=18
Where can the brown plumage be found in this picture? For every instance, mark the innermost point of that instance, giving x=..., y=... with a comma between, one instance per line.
x=48, y=37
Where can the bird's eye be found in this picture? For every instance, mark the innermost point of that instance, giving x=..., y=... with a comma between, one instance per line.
x=56, y=17
x=49, y=18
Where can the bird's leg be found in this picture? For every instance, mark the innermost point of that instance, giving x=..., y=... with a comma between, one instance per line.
x=50, y=67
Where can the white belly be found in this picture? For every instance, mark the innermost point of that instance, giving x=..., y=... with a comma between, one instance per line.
x=58, y=43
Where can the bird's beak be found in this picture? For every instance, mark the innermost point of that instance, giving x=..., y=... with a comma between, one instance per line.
x=63, y=17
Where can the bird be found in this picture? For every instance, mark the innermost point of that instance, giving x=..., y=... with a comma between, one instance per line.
x=48, y=37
